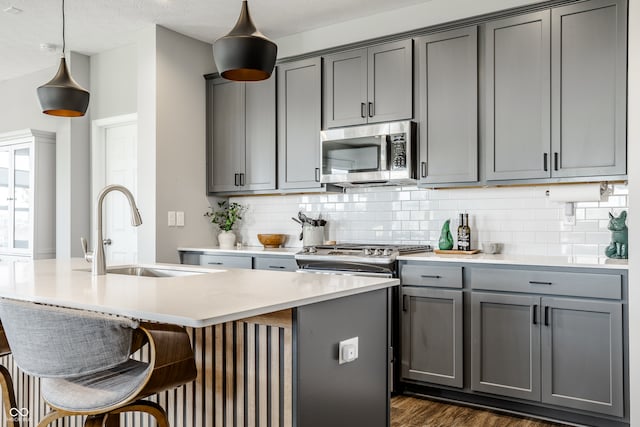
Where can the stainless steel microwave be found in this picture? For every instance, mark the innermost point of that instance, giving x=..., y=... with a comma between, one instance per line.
x=377, y=154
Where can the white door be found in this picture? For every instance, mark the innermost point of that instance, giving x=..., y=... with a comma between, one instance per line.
x=116, y=163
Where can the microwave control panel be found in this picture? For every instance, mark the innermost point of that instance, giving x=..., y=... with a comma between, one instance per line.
x=398, y=151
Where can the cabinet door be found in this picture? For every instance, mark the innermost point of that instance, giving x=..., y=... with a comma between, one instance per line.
x=589, y=51
x=518, y=58
x=299, y=109
x=582, y=355
x=6, y=194
x=448, y=93
x=390, y=82
x=227, y=135
x=432, y=336
x=345, y=88
x=260, y=130
x=505, y=345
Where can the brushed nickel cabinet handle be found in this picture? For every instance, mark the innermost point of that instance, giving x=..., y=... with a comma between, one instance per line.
x=371, y=111
x=363, y=110
x=535, y=282
x=430, y=276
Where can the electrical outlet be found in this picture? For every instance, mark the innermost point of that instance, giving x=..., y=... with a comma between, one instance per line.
x=348, y=350
x=171, y=219
x=180, y=219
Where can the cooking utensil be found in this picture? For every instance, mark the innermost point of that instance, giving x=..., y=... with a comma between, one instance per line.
x=297, y=220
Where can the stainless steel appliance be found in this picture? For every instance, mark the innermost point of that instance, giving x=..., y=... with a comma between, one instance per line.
x=363, y=260
x=377, y=154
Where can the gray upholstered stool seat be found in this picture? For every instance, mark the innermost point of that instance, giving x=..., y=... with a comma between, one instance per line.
x=84, y=360
x=96, y=391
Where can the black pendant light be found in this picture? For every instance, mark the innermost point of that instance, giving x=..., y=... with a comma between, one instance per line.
x=245, y=54
x=63, y=96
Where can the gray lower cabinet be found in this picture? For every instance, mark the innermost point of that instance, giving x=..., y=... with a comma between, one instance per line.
x=369, y=85
x=241, y=135
x=432, y=335
x=275, y=263
x=518, y=97
x=505, y=345
x=589, y=74
x=582, y=355
x=448, y=117
x=299, y=122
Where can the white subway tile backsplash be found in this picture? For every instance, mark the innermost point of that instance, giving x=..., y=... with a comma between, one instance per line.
x=522, y=218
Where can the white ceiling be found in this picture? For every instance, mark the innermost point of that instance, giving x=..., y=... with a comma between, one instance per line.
x=94, y=26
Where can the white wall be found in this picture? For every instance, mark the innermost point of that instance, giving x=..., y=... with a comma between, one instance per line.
x=388, y=23
x=180, y=141
x=19, y=102
x=114, y=82
x=633, y=145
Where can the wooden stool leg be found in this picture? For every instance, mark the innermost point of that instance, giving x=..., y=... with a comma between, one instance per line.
x=8, y=396
x=151, y=408
x=50, y=417
x=95, y=421
x=113, y=420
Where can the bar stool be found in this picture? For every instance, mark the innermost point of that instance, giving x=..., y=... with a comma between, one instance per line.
x=6, y=384
x=83, y=360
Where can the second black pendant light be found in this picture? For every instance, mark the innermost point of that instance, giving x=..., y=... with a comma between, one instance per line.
x=63, y=96
x=245, y=54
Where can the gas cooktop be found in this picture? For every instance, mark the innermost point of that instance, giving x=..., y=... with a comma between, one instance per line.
x=362, y=250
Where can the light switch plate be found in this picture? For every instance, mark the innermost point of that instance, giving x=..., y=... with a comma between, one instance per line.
x=171, y=219
x=180, y=219
x=348, y=350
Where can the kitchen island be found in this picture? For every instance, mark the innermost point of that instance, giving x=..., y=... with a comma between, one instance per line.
x=266, y=343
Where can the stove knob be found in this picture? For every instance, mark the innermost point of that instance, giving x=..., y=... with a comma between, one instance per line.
x=312, y=250
x=378, y=252
x=387, y=252
x=367, y=251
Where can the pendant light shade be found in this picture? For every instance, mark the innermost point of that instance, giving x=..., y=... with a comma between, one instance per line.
x=245, y=54
x=63, y=96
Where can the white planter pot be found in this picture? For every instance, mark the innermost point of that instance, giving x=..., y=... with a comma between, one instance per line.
x=227, y=240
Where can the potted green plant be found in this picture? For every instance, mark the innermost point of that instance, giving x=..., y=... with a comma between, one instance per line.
x=225, y=217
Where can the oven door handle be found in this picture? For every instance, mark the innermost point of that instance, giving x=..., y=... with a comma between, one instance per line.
x=344, y=273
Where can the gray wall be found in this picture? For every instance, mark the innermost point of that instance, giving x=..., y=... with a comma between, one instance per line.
x=180, y=135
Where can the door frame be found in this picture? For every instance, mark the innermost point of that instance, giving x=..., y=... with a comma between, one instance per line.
x=98, y=173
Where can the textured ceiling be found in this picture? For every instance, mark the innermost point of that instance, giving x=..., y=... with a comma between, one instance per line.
x=97, y=25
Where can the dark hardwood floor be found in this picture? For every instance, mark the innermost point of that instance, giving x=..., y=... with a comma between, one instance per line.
x=409, y=411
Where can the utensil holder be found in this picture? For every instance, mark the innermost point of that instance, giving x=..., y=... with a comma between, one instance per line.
x=312, y=235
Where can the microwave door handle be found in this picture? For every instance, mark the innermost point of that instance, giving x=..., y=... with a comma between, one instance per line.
x=384, y=153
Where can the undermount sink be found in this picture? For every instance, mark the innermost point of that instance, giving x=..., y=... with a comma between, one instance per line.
x=153, y=271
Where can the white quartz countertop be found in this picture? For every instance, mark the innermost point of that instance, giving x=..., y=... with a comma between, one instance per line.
x=533, y=260
x=246, y=250
x=210, y=298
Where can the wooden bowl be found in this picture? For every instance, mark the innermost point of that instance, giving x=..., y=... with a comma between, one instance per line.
x=272, y=240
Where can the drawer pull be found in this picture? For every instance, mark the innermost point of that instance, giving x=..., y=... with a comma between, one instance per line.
x=277, y=266
x=214, y=263
x=430, y=276
x=535, y=282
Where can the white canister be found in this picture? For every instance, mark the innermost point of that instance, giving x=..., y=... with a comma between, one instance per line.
x=312, y=236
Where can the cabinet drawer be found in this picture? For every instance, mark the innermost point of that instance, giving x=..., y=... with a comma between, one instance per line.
x=548, y=282
x=428, y=275
x=229, y=261
x=275, y=263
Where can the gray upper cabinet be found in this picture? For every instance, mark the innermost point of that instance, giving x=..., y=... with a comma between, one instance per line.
x=241, y=135
x=299, y=116
x=505, y=345
x=448, y=117
x=369, y=85
x=432, y=335
x=582, y=355
x=227, y=135
x=589, y=72
x=518, y=97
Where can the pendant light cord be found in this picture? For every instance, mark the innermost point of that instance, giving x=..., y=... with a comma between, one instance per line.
x=63, y=25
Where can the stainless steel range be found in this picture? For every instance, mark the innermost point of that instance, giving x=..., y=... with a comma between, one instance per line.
x=359, y=259
x=354, y=258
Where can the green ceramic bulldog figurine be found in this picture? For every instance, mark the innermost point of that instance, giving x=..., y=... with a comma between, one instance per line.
x=446, y=240
x=619, y=247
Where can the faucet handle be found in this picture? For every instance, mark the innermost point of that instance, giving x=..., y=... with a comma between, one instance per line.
x=88, y=256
